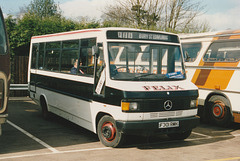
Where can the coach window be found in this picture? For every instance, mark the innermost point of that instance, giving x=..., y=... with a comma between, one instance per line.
x=86, y=58
x=34, y=55
x=224, y=51
x=52, y=56
x=70, y=53
x=191, y=51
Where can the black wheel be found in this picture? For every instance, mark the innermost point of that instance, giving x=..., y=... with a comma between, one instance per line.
x=180, y=136
x=45, y=112
x=219, y=111
x=108, y=133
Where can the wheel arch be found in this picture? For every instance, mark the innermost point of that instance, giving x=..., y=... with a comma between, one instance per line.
x=216, y=94
x=219, y=94
x=98, y=117
x=43, y=98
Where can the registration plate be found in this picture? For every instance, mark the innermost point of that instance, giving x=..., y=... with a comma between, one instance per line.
x=169, y=124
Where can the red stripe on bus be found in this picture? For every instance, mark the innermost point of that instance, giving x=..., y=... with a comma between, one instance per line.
x=66, y=33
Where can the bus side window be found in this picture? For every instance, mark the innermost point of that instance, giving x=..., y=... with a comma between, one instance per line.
x=41, y=56
x=52, y=56
x=191, y=51
x=86, y=56
x=68, y=60
x=34, y=56
x=227, y=51
x=70, y=53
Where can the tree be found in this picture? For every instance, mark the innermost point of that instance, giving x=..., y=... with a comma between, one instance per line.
x=142, y=16
x=11, y=25
x=38, y=18
x=166, y=15
x=43, y=8
x=133, y=13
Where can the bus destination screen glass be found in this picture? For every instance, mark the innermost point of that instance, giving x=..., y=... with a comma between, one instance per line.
x=136, y=35
x=143, y=61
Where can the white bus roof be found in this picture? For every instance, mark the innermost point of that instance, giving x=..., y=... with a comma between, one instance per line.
x=227, y=34
x=98, y=30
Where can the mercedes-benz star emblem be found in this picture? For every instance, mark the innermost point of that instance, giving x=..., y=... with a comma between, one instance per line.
x=168, y=105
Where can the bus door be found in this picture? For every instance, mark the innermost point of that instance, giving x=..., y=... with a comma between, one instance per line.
x=99, y=71
x=34, y=67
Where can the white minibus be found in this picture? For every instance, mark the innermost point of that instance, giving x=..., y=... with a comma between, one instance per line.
x=96, y=79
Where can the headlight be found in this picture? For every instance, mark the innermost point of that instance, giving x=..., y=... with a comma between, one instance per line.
x=193, y=103
x=129, y=106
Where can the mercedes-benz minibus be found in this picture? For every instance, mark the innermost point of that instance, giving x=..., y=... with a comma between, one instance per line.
x=114, y=82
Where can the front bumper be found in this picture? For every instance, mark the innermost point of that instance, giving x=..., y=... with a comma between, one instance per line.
x=149, y=127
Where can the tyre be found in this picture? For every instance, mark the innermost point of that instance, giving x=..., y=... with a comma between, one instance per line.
x=45, y=112
x=180, y=136
x=108, y=133
x=219, y=111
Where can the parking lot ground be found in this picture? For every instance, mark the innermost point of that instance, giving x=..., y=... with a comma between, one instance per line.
x=27, y=136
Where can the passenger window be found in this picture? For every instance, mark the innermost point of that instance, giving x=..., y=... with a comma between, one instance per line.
x=52, y=56
x=86, y=58
x=70, y=44
x=68, y=60
x=34, y=56
x=52, y=60
x=70, y=54
x=41, y=56
x=191, y=51
x=224, y=51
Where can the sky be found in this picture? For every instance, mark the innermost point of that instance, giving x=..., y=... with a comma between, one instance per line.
x=220, y=14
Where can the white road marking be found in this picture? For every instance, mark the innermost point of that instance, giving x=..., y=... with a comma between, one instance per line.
x=54, y=151
x=33, y=137
x=61, y=152
x=107, y=148
x=201, y=134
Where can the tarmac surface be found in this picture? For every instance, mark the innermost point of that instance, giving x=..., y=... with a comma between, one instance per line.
x=27, y=136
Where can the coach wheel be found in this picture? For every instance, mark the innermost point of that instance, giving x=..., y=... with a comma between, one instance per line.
x=180, y=136
x=108, y=133
x=219, y=111
x=45, y=112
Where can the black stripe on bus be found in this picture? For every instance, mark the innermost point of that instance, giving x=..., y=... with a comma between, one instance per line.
x=112, y=96
x=66, y=87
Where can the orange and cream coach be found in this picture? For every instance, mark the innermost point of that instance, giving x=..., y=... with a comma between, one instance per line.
x=212, y=63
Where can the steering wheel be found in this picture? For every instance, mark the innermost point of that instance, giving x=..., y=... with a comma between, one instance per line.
x=116, y=69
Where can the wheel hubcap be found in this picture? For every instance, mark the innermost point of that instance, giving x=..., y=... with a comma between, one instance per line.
x=218, y=110
x=108, y=131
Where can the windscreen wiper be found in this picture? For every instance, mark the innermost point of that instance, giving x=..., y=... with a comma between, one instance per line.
x=138, y=77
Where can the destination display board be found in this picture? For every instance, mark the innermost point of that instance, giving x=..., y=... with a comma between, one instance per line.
x=139, y=35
